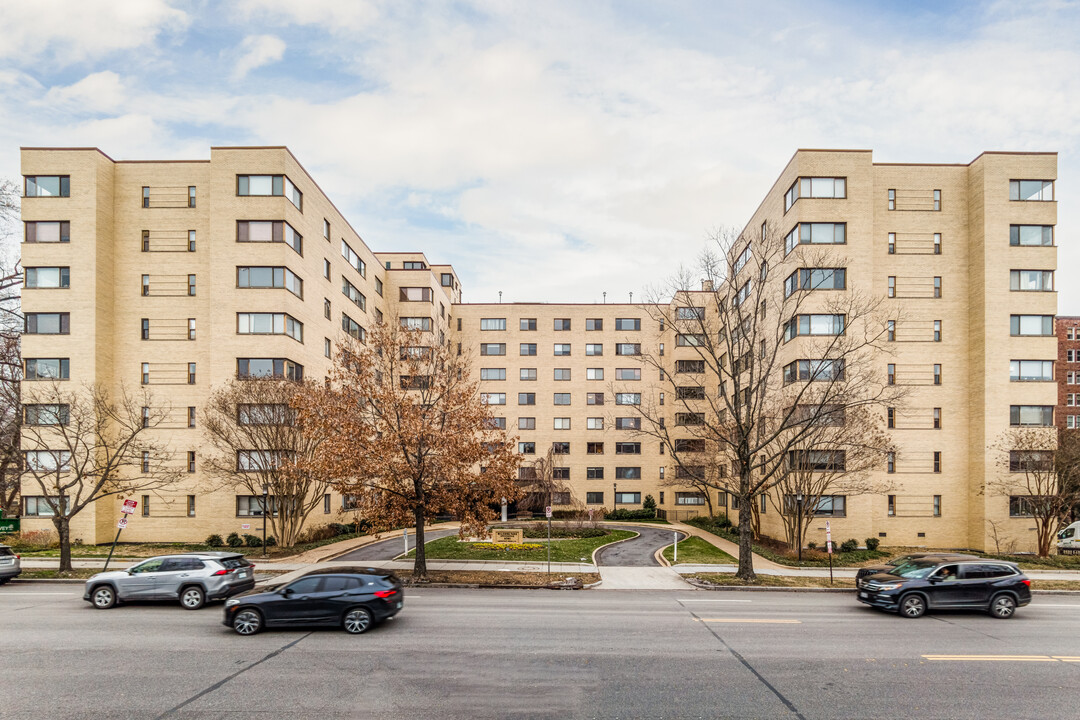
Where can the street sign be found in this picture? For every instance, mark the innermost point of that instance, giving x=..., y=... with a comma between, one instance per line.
x=129, y=507
x=245, y=526
x=122, y=524
x=547, y=511
x=828, y=536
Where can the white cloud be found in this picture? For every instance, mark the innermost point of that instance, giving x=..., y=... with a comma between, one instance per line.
x=256, y=51
x=66, y=32
x=336, y=16
x=98, y=92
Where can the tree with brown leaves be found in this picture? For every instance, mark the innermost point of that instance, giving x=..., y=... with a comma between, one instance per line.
x=86, y=444
x=11, y=325
x=408, y=436
x=261, y=444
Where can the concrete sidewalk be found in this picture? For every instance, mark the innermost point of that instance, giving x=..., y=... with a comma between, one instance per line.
x=726, y=545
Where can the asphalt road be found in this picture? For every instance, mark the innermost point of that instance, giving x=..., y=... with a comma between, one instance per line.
x=542, y=654
x=391, y=548
x=638, y=551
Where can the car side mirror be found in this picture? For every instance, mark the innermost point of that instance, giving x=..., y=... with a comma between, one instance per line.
x=130, y=571
x=287, y=591
x=934, y=579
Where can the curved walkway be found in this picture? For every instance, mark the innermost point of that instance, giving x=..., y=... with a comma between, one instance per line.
x=391, y=547
x=639, y=551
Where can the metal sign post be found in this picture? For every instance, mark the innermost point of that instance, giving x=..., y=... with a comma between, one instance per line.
x=676, y=548
x=405, y=534
x=127, y=509
x=828, y=546
x=547, y=511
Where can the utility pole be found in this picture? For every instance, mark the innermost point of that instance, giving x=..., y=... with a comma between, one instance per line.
x=266, y=492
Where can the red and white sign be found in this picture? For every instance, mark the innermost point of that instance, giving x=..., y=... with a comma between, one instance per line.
x=547, y=511
x=129, y=507
x=122, y=524
x=245, y=526
x=828, y=536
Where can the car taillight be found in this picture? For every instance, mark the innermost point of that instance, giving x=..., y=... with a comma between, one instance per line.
x=221, y=572
x=385, y=593
x=1026, y=582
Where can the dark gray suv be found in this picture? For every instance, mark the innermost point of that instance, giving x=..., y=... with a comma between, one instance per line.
x=192, y=578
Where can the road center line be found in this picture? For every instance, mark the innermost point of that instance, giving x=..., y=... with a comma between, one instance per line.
x=710, y=600
x=750, y=620
x=993, y=658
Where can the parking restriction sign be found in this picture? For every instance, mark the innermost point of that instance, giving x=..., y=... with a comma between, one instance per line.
x=129, y=507
x=122, y=524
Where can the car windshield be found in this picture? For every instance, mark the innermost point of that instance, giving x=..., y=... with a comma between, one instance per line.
x=900, y=561
x=914, y=570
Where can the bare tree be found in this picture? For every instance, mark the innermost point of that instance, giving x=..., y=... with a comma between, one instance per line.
x=763, y=357
x=11, y=325
x=1041, y=477
x=87, y=444
x=542, y=480
x=261, y=444
x=837, y=457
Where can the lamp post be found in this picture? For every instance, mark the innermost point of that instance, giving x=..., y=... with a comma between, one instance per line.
x=798, y=536
x=614, y=497
x=265, y=509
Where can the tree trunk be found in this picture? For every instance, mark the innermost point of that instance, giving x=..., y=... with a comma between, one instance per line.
x=419, y=572
x=746, y=530
x=63, y=530
x=1044, y=534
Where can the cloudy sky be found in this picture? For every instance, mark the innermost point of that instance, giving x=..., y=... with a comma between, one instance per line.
x=551, y=150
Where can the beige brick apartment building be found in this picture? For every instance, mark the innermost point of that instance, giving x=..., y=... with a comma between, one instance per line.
x=164, y=251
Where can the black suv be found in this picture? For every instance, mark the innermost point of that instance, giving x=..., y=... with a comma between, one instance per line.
x=865, y=572
x=992, y=585
x=355, y=599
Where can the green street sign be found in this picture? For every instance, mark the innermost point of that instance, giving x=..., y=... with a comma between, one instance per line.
x=9, y=526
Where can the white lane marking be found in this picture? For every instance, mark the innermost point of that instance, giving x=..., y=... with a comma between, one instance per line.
x=711, y=600
x=1041, y=605
x=7, y=594
x=414, y=596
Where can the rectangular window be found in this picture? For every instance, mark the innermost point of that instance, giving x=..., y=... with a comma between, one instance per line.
x=594, y=349
x=627, y=498
x=527, y=324
x=1040, y=235
x=48, y=323
x=1031, y=325
x=594, y=398
x=627, y=448
x=1031, y=190
x=419, y=323
x=191, y=329
x=937, y=243
x=415, y=294
x=526, y=398
x=269, y=185
x=562, y=423
x=47, y=369
x=628, y=373
x=815, y=187
x=628, y=473
x=527, y=374
x=594, y=373
x=191, y=373
x=48, y=186
x=493, y=323
x=814, y=325
x=816, y=234
x=689, y=498
x=191, y=241
x=627, y=398
x=253, y=505
x=492, y=373
x=446, y=280
x=937, y=199
x=562, y=374
x=48, y=460
x=48, y=277
x=690, y=340
x=378, y=285
x=937, y=374
x=492, y=398
x=359, y=265
x=269, y=277
x=562, y=398
x=628, y=348
x=51, y=414
x=269, y=324
x=627, y=423
x=594, y=448
x=1031, y=460
x=562, y=349
x=269, y=231
x=562, y=324
x=492, y=348
x=526, y=423
x=527, y=349
x=627, y=324
x=48, y=232
x=1031, y=280
x=1035, y=415
x=350, y=291
x=352, y=328
x=814, y=371
x=1021, y=506
x=560, y=448
x=269, y=367
x=594, y=324
x=264, y=414
x=595, y=498
x=831, y=506
x=594, y=423
x=1031, y=370
x=937, y=331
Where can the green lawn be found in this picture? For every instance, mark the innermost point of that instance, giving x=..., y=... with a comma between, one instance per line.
x=450, y=548
x=811, y=558
x=696, y=551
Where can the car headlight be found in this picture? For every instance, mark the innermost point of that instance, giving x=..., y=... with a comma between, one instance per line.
x=889, y=587
x=231, y=603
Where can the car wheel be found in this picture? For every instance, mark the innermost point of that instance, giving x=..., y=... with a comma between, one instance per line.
x=247, y=622
x=358, y=620
x=192, y=597
x=1003, y=607
x=912, y=606
x=103, y=597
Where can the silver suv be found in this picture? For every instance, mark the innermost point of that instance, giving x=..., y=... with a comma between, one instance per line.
x=192, y=578
x=9, y=564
